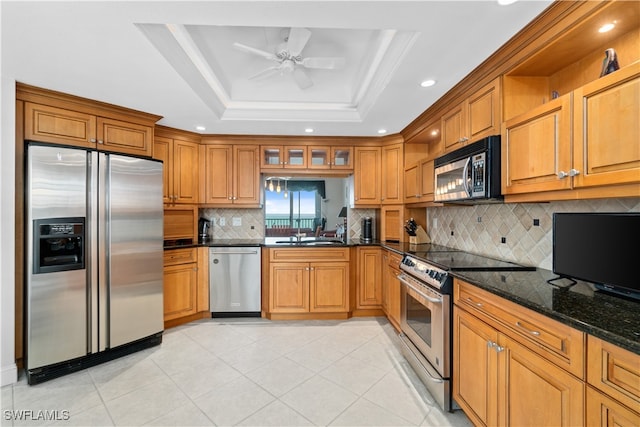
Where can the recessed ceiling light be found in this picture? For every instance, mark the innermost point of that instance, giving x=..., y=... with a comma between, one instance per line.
x=506, y=2
x=607, y=27
x=309, y=130
x=428, y=83
x=434, y=132
x=200, y=128
x=381, y=131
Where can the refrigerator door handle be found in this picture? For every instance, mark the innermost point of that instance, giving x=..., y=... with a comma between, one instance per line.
x=92, y=247
x=103, y=244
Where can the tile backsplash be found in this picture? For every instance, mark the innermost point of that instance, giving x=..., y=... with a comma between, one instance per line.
x=525, y=227
x=481, y=228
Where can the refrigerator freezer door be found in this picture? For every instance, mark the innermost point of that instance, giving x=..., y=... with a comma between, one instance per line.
x=134, y=245
x=56, y=314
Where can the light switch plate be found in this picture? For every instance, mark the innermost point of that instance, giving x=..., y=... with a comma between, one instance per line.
x=237, y=221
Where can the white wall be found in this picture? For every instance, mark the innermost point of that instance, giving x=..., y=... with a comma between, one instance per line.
x=8, y=369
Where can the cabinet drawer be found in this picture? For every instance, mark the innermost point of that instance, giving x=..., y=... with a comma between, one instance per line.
x=394, y=260
x=309, y=254
x=555, y=341
x=180, y=256
x=614, y=370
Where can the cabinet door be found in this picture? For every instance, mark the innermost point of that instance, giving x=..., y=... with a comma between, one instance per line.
x=295, y=157
x=392, y=223
x=536, y=147
x=329, y=287
x=124, y=137
x=385, y=281
x=366, y=176
x=394, y=295
x=392, y=176
x=607, y=130
x=427, y=180
x=369, y=290
x=246, y=176
x=271, y=157
x=411, y=184
x=217, y=174
x=475, y=362
x=454, y=124
x=180, y=290
x=50, y=124
x=536, y=392
x=163, y=150
x=603, y=411
x=319, y=157
x=483, y=112
x=185, y=171
x=342, y=158
x=289, y=287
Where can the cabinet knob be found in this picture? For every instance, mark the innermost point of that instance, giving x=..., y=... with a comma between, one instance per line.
x=92, y=140
x=230, y=198
x=562, y=175
x=100, y=141
x=574, y=172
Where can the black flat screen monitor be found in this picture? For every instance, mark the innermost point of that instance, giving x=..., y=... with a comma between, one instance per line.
x=602, y=248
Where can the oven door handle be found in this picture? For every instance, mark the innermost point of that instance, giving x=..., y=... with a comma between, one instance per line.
x=419, y=291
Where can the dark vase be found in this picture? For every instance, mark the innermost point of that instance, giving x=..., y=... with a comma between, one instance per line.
x=610, y=62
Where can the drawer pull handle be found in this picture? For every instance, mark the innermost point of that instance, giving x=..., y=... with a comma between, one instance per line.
x=534, y=333
x=477, y=304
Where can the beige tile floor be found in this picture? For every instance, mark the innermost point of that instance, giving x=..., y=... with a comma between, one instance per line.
x=246, y=372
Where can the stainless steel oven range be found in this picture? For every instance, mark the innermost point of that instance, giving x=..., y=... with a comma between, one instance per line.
x=426, y=324
x=427, y=312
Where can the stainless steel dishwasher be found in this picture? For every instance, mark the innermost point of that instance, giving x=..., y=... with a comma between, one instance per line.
x=234, y=281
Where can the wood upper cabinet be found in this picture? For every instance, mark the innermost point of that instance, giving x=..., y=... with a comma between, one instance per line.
x=180, y=169
x=536, y=149
x=476, y=117
x=606, y=131
x=392, y=174
x=329, y=157
x=279, y=157
x=369, y=282
x=304, y=281
x=514, y=366
x=230, y=175
x=366, y=188
x=47, y=123
x=419, y=181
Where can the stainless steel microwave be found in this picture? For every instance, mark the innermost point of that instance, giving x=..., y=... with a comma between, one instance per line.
x=469, y=174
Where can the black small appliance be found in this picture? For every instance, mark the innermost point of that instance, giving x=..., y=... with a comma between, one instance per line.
x=203, y=229
x=367, y=229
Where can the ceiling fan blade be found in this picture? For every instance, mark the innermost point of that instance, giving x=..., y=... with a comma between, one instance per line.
x=302, y=79
x=253, y=50
x=298, y=38
x=266, y=73
x=327, y=63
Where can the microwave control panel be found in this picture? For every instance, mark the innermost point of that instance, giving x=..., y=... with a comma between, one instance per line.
x=478, y=183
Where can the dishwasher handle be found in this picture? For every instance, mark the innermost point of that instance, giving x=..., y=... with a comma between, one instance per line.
x=254, y=252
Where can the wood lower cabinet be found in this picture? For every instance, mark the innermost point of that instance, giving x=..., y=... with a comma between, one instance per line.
x=307, y=283
x=615, y=373
x=369, y=280
x=186, y=285
x=511, y=372
x=391, y=287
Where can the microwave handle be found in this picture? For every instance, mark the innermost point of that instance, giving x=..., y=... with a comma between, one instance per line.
x=464, y=176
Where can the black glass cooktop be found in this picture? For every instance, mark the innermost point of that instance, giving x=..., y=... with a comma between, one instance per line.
x=464, y=261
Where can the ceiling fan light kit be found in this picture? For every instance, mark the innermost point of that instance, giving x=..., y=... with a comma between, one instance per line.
x=289, y=59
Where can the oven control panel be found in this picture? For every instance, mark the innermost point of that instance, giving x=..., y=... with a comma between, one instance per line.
x=425, y=272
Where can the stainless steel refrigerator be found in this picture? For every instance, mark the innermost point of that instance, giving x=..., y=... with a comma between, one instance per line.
x=94, y=241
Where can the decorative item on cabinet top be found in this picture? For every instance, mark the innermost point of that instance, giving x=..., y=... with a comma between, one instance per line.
x=610, y=62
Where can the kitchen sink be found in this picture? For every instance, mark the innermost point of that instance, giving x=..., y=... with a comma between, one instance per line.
x=312, y=242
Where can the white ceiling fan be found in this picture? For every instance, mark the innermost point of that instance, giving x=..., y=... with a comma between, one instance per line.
x=289, y=59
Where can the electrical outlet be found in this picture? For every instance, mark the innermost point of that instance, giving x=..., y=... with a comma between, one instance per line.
x=236, y=221
x=536, y=222
x=222, y=222
x=435, y=223
x=503, y=240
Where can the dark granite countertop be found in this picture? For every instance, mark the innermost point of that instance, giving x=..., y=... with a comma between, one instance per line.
x=611, y=318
